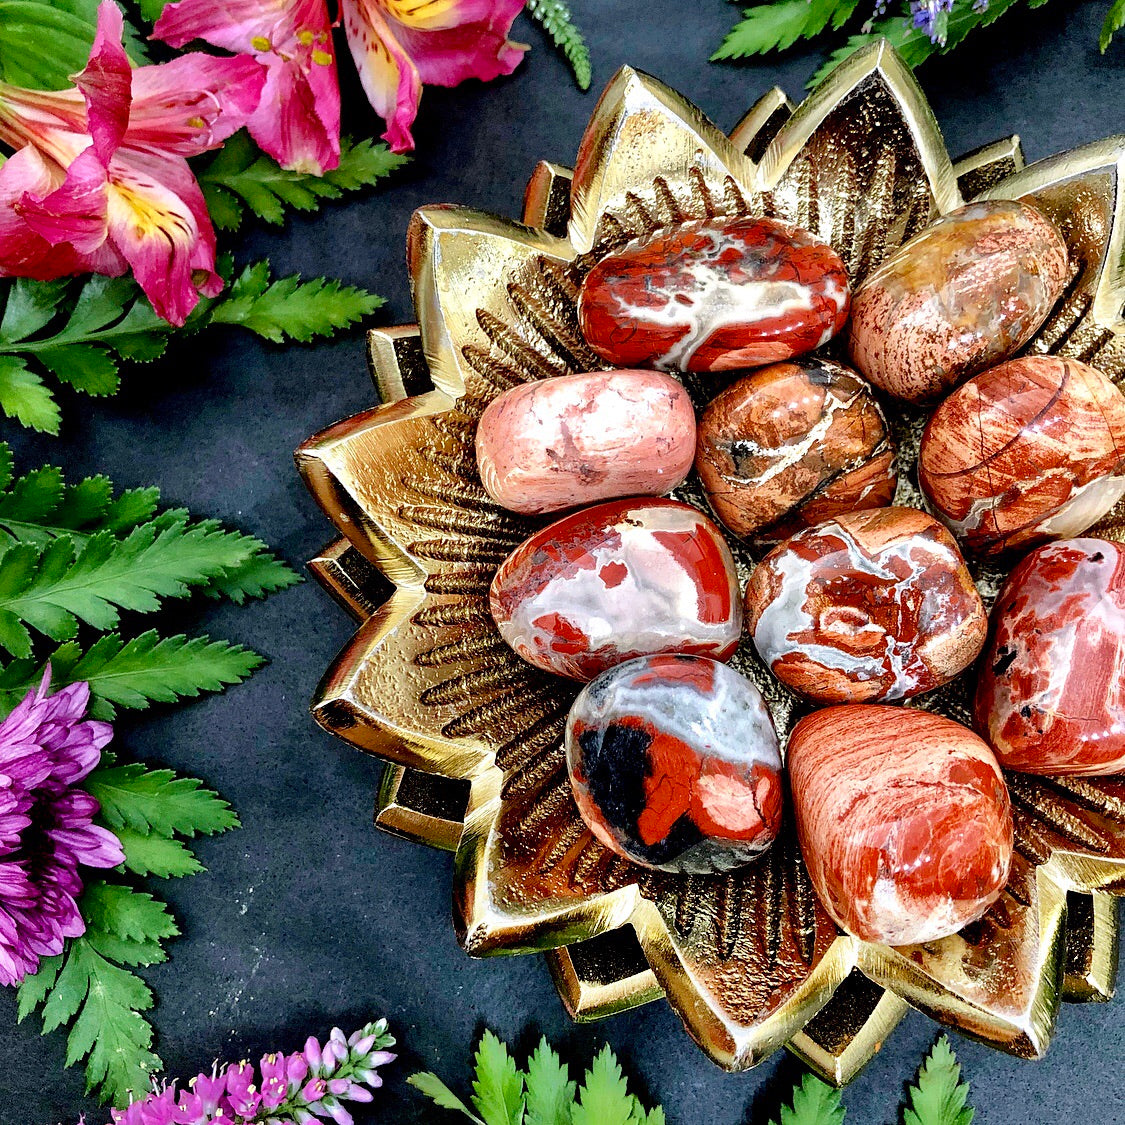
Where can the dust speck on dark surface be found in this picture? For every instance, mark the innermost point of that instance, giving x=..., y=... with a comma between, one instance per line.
x=308, y=917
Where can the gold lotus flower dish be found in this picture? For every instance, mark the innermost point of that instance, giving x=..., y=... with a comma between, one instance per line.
x=749, y=960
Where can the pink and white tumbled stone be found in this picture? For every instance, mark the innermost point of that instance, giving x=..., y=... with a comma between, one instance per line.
x=560, y=443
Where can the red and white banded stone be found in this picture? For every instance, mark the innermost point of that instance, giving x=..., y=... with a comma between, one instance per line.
x=714, y=296
x=871, y=606
x=903, y=818
x=560, y=443
x=1051, y=693
x=1025, y=452
x=617, y=581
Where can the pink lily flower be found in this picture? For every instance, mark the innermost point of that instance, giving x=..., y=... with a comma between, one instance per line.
x=400, y=45
x=100, y=181
x=298, y=118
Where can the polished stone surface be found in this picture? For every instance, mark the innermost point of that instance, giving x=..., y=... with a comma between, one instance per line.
x=904, y=820
x=561, y=443
x=791, y=445
x=619, y=580
x=960, y=296
x=1028, y=451
x=1051, y=693
x=870, y=607
x=674, y=764
x=714, y=297
x=272, y=951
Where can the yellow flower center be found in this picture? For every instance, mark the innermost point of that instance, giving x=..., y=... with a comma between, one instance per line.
x=261, y=43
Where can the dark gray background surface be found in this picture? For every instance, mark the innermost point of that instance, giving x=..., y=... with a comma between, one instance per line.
x=307, y=916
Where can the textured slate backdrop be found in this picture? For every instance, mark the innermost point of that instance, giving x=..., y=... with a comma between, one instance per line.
x=308, y=917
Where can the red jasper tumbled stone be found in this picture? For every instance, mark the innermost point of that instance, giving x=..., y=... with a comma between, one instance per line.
x=674, y=763
x=714, y=296
x=623, y=579
x=1025, y=452
x=904, y=820
x=868, y=607
x=1051, y=693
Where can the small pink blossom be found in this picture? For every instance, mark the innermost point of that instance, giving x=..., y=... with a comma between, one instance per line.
x=47, y=746
x=99, y=180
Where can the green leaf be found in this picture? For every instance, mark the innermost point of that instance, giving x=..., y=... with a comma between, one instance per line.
x=125, y=951
x=441, y=1095
x=289, y=308
x=550, y=1093
x=1114, y=22
x=156, y=800
x=262, y=573
x=497, y=1083
x=85, y=367
x=31, y=305
x=116, y=909
x=26, y=29
x=604, y=1098
x=44, y=42
x=33, y=989
x=814, y=1103
x=136, y=673
x=24, y=397
x=110, y=1029
x=555, y=17
x=151, y=9
x=51, y=589
x=157, y=855
x=939, y=1096
x=240, y=175
x=776, y=26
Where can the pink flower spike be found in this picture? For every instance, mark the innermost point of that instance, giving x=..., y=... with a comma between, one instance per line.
x=297, y=120
x=313, y=1055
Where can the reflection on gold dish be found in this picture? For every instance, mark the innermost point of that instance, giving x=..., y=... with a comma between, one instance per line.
x=749, y=960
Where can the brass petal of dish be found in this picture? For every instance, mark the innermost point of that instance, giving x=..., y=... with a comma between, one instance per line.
x=749, y=960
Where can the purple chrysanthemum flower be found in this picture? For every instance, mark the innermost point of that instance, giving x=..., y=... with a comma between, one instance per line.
x=47, y=746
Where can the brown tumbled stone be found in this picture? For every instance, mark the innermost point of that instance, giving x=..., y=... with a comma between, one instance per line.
x=962, y=295
x=791, y=445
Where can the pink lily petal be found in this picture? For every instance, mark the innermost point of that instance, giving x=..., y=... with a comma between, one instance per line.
x=159, y=221
x=25, y=178
x=106, y=83
x=466, y=39
x=74, y=212
x=388, y=74
x=193, y=103
x=298, y=120
x=298, y=117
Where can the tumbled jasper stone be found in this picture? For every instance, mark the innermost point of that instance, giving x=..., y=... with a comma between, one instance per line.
x=1051, y=692
x=791, y=445
x=714, y=296
x=576, y=439
x=871, y=606
x=674, y=764
x=619, y=580
x=1028, y=451
x=960, y=296
x=903, y=818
